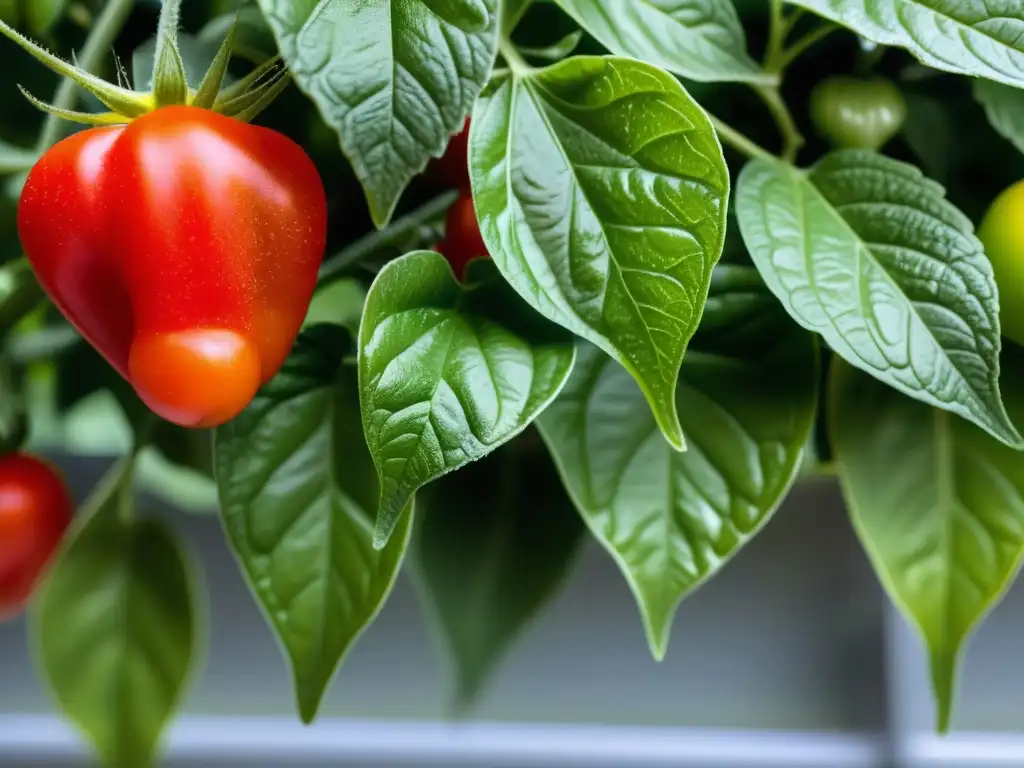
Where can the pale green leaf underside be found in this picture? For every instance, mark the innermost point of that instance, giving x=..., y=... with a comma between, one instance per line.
x=496, y=541
x=395, y=79
x=1004, y=107
x=671, y=520
x=698, y=39
x=601, y=192
x=971, y=38
x=448, y=374
x=938, y=504
x=116, y=629
x=867, y=252
x=298, y=491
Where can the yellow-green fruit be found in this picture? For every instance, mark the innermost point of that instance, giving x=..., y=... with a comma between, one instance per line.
x=1002, y=232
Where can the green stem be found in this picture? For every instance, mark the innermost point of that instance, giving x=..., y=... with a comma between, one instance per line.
x=777, y=29
x=792, y=139
x=739, y=141
x=775, y=62
x=805, y=42
x=108, y=26
x=789, y=22
x=339, y=264
x=512, y=21
x=515, y=61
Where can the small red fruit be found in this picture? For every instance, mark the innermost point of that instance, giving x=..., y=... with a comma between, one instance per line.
x=453, y=165
x=462, y=239
x=185, y=247
x=35, y=510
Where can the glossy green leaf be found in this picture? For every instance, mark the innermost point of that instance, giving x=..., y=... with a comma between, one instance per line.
x=938, y=505
x=115, y=624
x=448, y=373
x=605, y=222
x=41, y=15
x=970, y=38
x=340, y=302
x=747, y=395
x=495, y=543
x=298, y=491
x=1005, y=109
x=698, y=39
x=867, y=252
x=393, y=77
x=464, y=14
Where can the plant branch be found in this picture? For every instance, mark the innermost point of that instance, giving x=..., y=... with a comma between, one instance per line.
x=777, y=30
x=775, y=59
x=739, y=141
x=791, y=53
x=336, y=266
x=789, y=22
x=515, y=61
x=512, y=20
x=792, y=139
x=100, y=41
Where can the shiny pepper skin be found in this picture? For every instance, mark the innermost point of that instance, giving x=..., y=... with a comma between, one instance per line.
x=453, y=166
x=462, y=239
x=35, y=511
x=185, y=247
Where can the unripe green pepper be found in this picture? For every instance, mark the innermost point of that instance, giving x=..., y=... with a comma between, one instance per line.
x=857, y=113
x=1002, y=234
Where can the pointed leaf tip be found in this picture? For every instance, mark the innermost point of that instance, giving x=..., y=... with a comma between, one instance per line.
x=170, y=82
x=209, y=88
x=120, y=100
x=85, y=118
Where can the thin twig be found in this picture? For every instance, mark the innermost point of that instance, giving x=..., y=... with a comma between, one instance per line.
x=350, y=256
x=739, y=141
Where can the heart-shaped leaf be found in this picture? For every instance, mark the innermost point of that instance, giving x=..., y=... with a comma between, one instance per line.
x=297, y=492
x=1005, y=109
x=495, y=543
x=697, y=39
x=116, y=626
x=969, y=38
x=606, y=223
x=938, y=505
x=448, y=373
x=867, y=252
x=393, y=77
x=747, y=396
